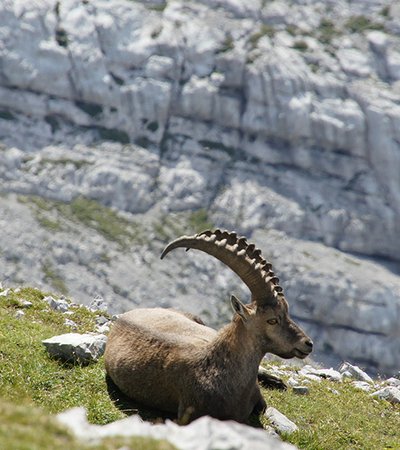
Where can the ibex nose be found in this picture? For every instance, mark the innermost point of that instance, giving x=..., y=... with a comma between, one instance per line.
x=309, y=343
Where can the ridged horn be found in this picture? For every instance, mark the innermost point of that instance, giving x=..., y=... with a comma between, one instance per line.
x=240, y=256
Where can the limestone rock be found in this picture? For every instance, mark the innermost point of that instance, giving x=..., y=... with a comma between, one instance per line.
x=57, y=304
x=349, y=370
x=75, y=347
x=202, y=434
x=279, y=421
x=389, y=393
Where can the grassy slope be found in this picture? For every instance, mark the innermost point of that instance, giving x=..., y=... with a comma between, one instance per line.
x=28, y=377
x=32, y=385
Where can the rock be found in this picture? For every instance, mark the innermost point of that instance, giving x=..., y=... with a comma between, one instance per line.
x=393, y=382
x=363, y=385
x=75, y=347
x=103, y=329
x=279, y=421
x=202, y=434
x=71, y=323
x=312, y=373
x=301, y=390
x=19, y=314
x=101, y=320
x=98, y=304
x=5, y=292
x=58, y=305
x=25, y=304
x=389, y=393
x=348, y=370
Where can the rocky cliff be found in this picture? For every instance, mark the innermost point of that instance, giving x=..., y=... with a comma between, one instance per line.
x=124, y=124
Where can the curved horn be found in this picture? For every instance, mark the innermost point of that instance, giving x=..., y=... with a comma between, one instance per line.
x=240, y=256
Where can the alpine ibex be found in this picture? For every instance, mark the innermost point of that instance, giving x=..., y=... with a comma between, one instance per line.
x=170, y=361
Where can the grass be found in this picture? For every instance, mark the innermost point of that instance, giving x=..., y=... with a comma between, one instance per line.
x=265, y=30
x=326, y=31
x=347, y=420
x=174, y=225
x=54, y=215
x=32, y=385
x=53, y=277
x=358, y=24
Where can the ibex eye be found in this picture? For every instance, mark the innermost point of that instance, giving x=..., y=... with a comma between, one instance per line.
x=272, y=321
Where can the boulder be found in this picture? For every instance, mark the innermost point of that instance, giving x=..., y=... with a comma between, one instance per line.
x=202, y=434
x=76, y=348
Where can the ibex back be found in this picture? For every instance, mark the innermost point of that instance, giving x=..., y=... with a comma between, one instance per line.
x=170, y=361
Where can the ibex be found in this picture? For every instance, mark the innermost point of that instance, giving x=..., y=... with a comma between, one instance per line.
x=170, y=361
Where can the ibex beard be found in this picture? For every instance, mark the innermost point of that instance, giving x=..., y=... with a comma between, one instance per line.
x=170, y=361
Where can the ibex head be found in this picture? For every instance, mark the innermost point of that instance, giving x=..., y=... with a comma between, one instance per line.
x=267, y=317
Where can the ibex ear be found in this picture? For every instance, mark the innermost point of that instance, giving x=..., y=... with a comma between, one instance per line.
x=239, y=308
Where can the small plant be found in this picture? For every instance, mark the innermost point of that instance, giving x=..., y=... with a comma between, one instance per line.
x=300, y=45
x=153, y=126
x=327, y=31
x=6, y=115
x=53, y=122
x=227, y=44
x=358, y=24
x=159, y=7
x=113, y=134
x=265, y=30
x=61, y=37
x=54, y=278
x=90, y=109
x=385, y=11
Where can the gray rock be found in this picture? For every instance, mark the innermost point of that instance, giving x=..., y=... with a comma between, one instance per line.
x=58, y=305
x=98, y=304
x=301, y=390
x=393, y=382
x=203, y=434
x=279, y=421
x=75, y=347
x=349, y=370
x=71, y=323
x=19, y=314
x=25, y=304
x=363, y=385
x=389, y=393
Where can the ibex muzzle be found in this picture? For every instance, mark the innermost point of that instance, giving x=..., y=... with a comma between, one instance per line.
x=168, y=360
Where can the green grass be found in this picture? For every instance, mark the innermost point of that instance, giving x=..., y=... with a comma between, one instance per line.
x=350, y=419
x=265, y=30
x=358, y=24
x=53, y=277
x=33, y=386
x=174, y=225
x=55, y=215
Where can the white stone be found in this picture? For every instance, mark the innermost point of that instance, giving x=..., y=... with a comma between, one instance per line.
x=202, y=434
x=71, y=323
x=75, y=347
x=393, y=382
x=355, y=372
x=19, y=314
x=58, y=305
x=378, y=40
x=279, y=421
x=389, y=393
x=363, y=385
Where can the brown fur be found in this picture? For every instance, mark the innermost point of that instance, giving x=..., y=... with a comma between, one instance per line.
x=166, y=360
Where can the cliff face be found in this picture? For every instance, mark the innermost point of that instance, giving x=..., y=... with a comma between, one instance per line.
x=280, y=119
